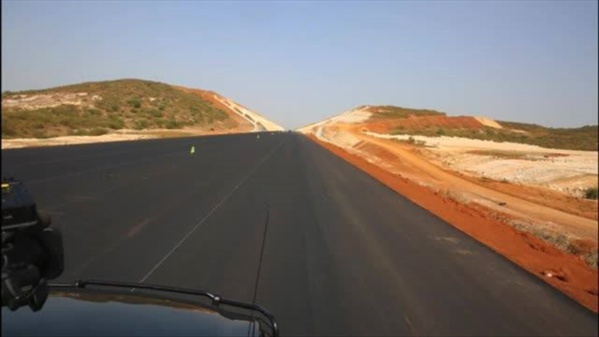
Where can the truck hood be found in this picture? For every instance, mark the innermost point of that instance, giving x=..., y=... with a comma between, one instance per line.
x=79, y=312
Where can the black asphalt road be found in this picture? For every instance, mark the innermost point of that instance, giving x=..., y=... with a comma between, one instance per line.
x=344, y=254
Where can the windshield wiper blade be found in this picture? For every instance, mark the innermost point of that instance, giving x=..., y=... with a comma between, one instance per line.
x=216, y=300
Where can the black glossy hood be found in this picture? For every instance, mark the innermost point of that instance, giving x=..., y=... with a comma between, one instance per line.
x=80, y=312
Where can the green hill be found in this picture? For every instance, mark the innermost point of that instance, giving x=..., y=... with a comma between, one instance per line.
x=95, y=108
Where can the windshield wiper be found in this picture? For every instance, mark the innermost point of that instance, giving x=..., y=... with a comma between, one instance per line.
x=216, y=300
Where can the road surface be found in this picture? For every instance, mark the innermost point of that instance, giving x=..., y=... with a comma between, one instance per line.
x=344, y=254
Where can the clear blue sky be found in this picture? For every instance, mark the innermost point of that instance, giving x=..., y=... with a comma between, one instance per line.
x=299, y=62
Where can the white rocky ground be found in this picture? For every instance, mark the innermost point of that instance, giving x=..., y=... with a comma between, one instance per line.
x=70, y=140
x=260, y=123
x=567, y=171
x=357, y=115
x=39, y=101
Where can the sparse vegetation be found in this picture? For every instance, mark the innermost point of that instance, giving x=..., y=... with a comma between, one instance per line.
x=584, y=138
x=411, y=141
x=591, y=193
x=389, y=111
x=502, y=154
x=592, y=258
x=173, y=124
x=560, y=241
x=136, y=103
x=112, y=105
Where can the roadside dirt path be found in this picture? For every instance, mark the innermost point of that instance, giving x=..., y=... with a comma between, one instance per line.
x=566, y=272
x=581, y=227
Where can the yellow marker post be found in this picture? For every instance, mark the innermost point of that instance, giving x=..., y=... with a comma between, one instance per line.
x=192, y=150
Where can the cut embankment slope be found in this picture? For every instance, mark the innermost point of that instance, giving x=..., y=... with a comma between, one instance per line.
x=126, y=109
x=567, y=224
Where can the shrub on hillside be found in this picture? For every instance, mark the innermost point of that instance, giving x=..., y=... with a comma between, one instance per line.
x=591, y=193
x=135, y=103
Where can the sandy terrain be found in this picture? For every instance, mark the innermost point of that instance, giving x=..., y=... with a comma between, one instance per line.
x=562, y=170
x=357, y=115
x=238, y=112
x=69, y=140
x=260, y=123
x=402, y=159
x=489, y=122
x=120, y=135
x=567, y=272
